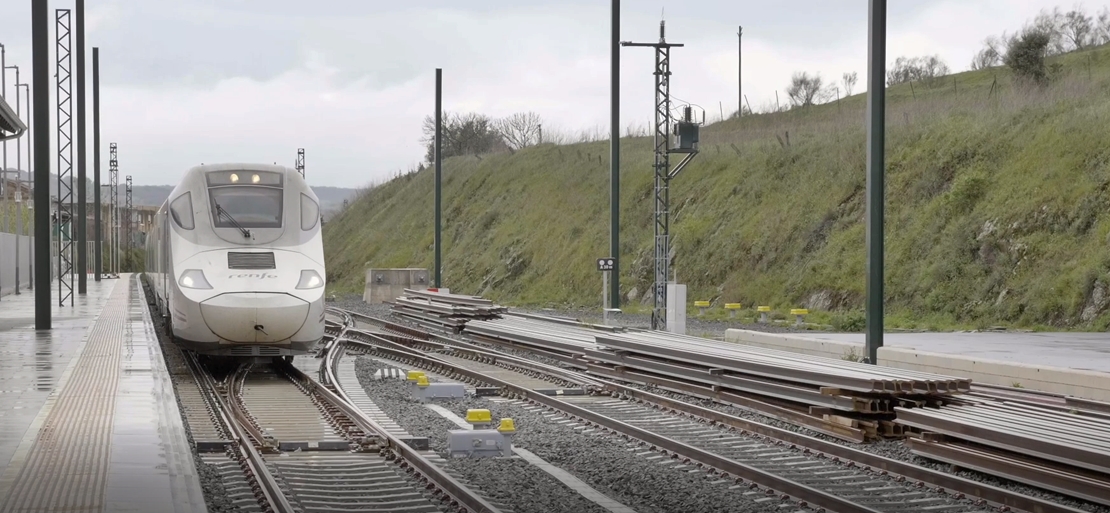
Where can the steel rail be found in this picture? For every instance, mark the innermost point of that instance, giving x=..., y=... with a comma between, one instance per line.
x=1001, y=433
x=256, y=469
x=460, y=494
x=483, y=355
x=1022, y=470
x=798, y=491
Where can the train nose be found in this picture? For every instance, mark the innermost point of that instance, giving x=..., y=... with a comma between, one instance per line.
x=254, y=317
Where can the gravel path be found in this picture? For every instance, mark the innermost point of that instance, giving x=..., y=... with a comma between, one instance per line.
x=894, y=449
x=608, y=463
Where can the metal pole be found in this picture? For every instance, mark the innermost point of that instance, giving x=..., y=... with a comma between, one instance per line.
x=4, y=178
x=30, y=177
x=18, y=183
x=739, y=71
x=439, y=174
x=876, y=110
x=40, y=58
x=97, y=232
x=615, y=155
x=82, y=216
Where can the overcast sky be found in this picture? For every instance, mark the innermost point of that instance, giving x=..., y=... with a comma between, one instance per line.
x=191, y=81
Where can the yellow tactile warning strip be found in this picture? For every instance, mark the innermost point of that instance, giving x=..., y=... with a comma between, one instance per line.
x=66, y=469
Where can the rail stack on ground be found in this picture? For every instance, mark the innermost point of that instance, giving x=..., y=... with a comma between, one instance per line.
x=444, y=311
x=847, y=399
x=1061, y=448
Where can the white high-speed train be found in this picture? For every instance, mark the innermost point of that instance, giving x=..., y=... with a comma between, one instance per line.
x=236, y=261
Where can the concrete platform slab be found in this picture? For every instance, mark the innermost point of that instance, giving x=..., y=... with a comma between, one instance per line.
x=88, y=416
x=1083, y=351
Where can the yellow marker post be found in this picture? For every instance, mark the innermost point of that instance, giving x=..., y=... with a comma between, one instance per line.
x=763, y=311
x=702, y=305
x=799, y=313
x=732, y=308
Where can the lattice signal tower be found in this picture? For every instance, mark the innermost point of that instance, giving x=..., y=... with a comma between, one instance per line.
x=127, y=215
x=663, y=172
x=64, y=217
x=300, y=161
x=113, y=216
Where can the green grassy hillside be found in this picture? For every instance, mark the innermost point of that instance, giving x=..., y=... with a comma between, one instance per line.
x=998, y=210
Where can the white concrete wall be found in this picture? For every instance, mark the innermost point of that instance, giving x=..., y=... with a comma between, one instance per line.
x=8, y=261
x=1080, y=383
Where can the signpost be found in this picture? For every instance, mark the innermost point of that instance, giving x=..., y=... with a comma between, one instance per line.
x=606, y=265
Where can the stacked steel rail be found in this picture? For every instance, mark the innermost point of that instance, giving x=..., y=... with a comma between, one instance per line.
x=841, y=398
x=1066, y=451
x=444, y=311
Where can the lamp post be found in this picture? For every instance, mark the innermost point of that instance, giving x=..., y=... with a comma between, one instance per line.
x=30, y=188
x=18, y=176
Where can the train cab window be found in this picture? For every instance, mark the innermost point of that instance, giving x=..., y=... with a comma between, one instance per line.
x=182, y=211
x=310, y=213
x=248, y=199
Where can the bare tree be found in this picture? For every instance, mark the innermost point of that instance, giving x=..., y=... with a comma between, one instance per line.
x=1078, y=28
x=806, y=90
x=1051, y=24
x=991, y=55
x=1101, y=31
x=928, y=69
x=521, y=129
x=849, y=82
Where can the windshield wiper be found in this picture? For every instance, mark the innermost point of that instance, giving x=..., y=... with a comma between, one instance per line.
x=220, y=210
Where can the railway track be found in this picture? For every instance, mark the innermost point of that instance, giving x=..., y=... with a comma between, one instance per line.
x=281, y=442
x=814, y=472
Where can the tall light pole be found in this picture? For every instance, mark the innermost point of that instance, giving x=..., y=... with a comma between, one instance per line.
x=30, y=179
x=40, y=58
x=876, y=150
x=82, y=203
x=18, y=176
x=18, y=183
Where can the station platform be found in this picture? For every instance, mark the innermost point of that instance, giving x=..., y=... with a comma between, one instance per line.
x=88, y=415
x=1068, y=350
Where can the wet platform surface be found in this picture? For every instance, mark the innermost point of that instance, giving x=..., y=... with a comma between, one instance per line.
x=1085, y=351
x=88, y=417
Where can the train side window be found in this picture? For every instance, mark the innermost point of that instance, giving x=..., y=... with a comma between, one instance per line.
x=182, y=211
x=310, y=212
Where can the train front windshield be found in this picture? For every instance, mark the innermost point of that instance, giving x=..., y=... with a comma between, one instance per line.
x=253, y=199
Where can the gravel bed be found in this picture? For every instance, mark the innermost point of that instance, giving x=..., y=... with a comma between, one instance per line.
x=893, y=448
x=604, y=461
x=211, y=482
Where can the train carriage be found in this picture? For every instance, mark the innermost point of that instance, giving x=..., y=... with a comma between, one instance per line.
x=236, y=262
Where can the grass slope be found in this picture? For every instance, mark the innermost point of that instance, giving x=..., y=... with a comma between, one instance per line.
x=996, y=212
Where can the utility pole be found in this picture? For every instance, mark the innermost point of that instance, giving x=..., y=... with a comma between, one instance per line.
x=299, y=163
x=40, y=76
x=439, y=178
x=876, y=193
x=82, y=202
x=615, y=156
x=98, y=234
x=65, y=156
x=663, y=172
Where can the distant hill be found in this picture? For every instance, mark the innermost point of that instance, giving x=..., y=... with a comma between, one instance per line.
x=331, y=198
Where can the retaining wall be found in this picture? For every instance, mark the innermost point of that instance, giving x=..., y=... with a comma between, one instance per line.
x=1080, y=383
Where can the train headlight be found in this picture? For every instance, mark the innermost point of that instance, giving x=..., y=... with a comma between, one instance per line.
x=310, y=280
x=194, y=279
